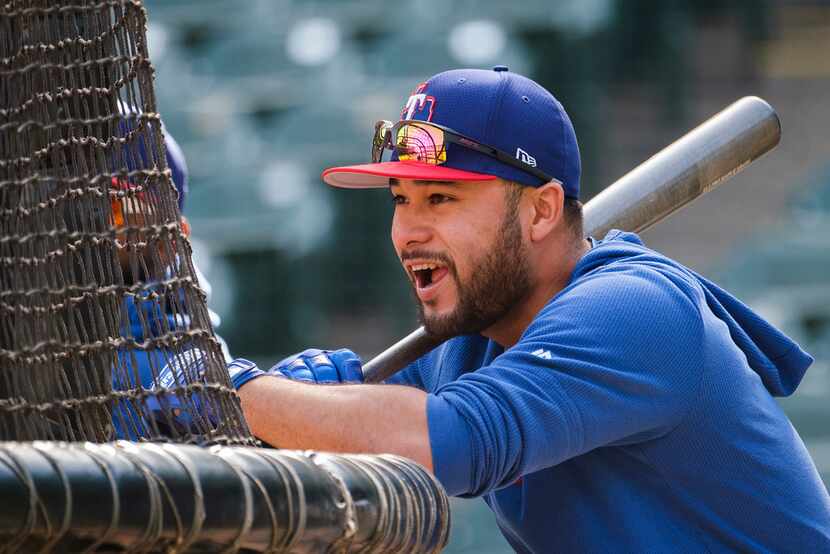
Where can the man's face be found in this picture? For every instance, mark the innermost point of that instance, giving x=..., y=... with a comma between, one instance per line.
x=462, y=248
x=131, y=218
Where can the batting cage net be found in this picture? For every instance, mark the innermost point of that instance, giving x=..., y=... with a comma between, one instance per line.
x=98, y=290
x=105, y=334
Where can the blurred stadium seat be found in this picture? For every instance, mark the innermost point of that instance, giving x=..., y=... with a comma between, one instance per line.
x=313, y=266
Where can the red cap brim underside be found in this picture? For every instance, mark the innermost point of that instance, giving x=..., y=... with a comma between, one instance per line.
x=368, y=176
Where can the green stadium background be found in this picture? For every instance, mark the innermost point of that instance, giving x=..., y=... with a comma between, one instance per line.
x=264, y=94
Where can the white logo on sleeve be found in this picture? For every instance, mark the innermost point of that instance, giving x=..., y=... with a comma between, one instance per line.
x=542, y=353
x=524, y=157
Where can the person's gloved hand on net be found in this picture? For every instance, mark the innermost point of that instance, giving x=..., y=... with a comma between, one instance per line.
x=174, y=409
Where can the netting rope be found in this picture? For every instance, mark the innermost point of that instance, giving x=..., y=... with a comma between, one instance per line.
x=98, y=295
x=95, y=269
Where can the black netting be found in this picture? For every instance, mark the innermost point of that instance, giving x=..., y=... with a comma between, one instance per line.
x=104, y=334
x=97, y=288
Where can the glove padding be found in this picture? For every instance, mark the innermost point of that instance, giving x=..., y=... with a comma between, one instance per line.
x=242, y=371
x=168, y=409
x=321, y=366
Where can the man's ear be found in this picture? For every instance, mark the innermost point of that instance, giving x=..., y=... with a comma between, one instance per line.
x=548, y=210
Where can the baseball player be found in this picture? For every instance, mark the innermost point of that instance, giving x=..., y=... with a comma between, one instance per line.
x=159, y=413
x=598, y=395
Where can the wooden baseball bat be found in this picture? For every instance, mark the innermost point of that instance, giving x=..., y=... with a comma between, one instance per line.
x=696, y=163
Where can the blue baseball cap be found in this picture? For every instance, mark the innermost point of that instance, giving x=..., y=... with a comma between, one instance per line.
x=497, y=108
x=175, y=156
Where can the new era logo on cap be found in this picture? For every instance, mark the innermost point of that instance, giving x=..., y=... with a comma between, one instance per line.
x=502, y=110
x=524, y=157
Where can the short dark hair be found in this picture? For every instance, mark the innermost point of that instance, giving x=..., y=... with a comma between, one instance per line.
x=573, y=216
x=572, y=208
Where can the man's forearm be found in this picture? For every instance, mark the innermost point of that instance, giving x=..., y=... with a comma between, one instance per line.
x=340, y=418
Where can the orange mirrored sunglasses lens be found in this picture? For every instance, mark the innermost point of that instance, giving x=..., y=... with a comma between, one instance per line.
x=421, y=143
x=117, y=219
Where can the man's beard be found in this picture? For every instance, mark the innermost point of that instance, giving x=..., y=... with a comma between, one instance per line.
x=498, y=282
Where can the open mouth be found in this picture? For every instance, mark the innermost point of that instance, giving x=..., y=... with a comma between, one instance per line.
x=426, y=275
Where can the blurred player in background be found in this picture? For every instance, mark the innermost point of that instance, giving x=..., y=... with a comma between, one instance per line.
x=146, y=319
x=599, y=396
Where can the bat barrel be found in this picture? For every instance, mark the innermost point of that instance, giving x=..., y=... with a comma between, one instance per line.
x=691, y=166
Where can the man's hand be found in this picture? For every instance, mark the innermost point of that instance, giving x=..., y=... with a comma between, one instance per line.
x=167, y=408
x=321, y=366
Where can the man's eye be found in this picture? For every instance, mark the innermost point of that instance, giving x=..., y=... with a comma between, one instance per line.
x=398, y=199
x=438, y=198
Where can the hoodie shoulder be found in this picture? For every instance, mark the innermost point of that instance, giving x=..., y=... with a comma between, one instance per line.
x=621, y=251
x=776, y=358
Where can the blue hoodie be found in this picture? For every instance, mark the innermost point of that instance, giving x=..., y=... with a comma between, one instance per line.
x=140, y=367
x=147, y=319
x=635, y=414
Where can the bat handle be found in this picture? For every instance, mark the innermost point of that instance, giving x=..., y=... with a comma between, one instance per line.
x=399, y=355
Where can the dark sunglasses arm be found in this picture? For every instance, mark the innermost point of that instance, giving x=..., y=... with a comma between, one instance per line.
x=452, y=136
x=496, y=153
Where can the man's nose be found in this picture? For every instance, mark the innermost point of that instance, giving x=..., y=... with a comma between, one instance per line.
x=409, y=230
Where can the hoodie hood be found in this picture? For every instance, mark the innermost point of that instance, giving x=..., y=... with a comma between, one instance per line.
x=777, y=359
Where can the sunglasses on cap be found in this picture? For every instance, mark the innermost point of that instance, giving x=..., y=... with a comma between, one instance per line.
x=424, y=142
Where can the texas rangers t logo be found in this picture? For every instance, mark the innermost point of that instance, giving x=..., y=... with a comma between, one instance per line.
x=417, y=102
